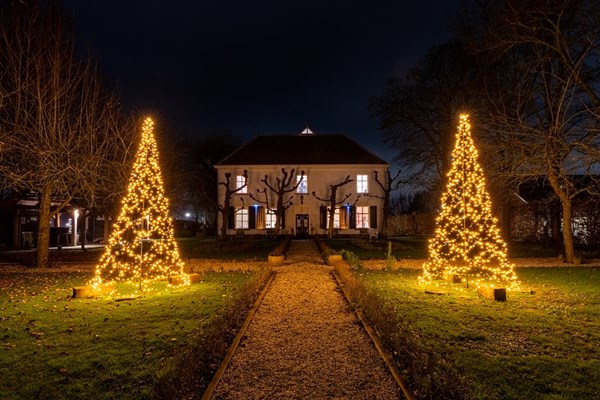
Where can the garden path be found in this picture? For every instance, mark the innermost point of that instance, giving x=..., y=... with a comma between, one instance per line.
x=304, y=343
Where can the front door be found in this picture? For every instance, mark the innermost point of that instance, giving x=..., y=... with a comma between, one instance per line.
x=301, y=225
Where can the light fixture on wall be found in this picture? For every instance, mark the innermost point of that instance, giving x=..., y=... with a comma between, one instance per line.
x=302, y=199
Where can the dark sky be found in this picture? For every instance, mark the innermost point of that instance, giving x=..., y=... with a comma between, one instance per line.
x=260, y=66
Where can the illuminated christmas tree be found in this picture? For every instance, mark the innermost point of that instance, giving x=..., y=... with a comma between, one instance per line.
x=142, y=245
x=467, y=242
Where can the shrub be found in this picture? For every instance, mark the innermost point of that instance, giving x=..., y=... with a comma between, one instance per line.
x=193, y=370
x=282, y=247
x=429, y=375
x=352, y=259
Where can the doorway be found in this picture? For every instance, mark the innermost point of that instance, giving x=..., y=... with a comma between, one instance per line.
x=302, y=226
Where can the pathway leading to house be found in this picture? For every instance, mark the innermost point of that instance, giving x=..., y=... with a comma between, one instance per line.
x=303, y=343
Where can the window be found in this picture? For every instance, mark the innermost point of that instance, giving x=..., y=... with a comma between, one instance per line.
x=303, y=186
x=344, y=212
x=270, y=219
x=336, y=219
x=362, y=183
x=362, y=217
x=241, y=219
x=240, y=181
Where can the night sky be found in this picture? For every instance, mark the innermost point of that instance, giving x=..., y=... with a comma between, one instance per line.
x=259, y=66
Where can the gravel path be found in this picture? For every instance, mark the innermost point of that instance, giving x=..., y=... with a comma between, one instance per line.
x=303, y=342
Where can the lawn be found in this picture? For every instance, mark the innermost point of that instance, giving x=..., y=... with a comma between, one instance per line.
x=534, y=346
x=229, y=250
x=233, y=250
x=416, y=248
x=54, y=346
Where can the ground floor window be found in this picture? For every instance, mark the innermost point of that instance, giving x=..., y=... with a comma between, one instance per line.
x=362, y=217
x=241, y=219
x=336, y=219
x=270, y=219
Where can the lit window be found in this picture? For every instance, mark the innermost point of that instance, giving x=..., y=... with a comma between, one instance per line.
x=362, y=217
x=362, y=183
x=303, y=185
x=241, y=219
x=336, y=219
x=270, y=219
x=240, y=181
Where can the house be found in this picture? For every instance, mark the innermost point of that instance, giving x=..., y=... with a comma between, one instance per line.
x=19, y=222
x=325, y=160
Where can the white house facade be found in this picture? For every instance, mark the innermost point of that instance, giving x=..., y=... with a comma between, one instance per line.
x=317, y=162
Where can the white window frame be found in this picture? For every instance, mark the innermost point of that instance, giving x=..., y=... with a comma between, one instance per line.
x=270, y=219
x=362, y=183
x=336, y=219
x=302, y=187
x=362, y=217
x=240, y=180
x=241, y=219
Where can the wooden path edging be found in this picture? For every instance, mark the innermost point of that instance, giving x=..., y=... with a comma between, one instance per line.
x=238, y=338
x=377, y=342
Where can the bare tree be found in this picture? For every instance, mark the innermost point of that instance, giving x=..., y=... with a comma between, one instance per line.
x=57, y=129
x=225, y=207
x=280, y=189
x=417, y=112
x=333, y=202
x=544, y=102
x=391, y=184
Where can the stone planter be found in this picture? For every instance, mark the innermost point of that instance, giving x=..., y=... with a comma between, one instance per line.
x=275, y=261
x=333, y=259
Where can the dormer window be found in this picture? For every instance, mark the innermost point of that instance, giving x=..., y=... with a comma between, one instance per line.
x=240, y=183
x=362, y=183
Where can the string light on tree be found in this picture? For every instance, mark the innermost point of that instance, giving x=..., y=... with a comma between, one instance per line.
x=142, y=246
x=467, y=241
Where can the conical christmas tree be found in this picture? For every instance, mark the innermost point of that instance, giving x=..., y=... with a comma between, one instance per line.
x=467, y=241
x=142, y=245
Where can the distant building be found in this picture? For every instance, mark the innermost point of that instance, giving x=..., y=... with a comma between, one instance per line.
x=326, y=160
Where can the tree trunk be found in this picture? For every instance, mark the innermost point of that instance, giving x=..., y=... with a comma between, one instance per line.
x=224, y=222
x=106, y=233
x=384, y=217
x=506, y=221
x=43, y=233
x=565, y=202
x=568, y=230
x=331, y=219
x=81, y=225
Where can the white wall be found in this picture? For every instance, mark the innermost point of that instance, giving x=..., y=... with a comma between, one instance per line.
x=319, y=178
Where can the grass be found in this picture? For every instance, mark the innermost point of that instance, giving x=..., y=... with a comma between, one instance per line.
x=540, y=346
x=416, y=248
x=57, y=347
x=238, y=250
x=230, y=250
x=402, y=248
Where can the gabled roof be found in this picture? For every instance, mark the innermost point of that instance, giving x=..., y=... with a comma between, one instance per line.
x=301, y=150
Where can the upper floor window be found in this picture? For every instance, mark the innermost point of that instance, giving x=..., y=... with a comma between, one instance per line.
x=362, y=183
x=240, y=181
x=303, y=184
